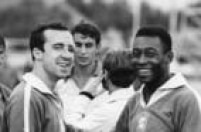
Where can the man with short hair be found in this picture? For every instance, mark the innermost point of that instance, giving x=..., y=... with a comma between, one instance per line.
x=34, y=105
x=4, y=90
x=86, y=68
x=118, y=78
x=166, y=103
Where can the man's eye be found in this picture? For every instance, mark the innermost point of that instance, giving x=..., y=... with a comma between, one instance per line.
x=58, y=47
x=136, y=53
x=89, y=45
x=150, y=54
x=78, y=45
x=70, y=48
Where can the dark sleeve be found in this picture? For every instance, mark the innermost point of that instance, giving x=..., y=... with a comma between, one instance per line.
x=188, y=114
x=14, y=115
x=5, y=91
x=123, y=122
x=70, y=128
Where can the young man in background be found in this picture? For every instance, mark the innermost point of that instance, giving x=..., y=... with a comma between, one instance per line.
x=118, y=78
x=87, y=67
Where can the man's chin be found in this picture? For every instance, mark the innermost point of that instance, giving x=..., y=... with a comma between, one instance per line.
x=64, y=74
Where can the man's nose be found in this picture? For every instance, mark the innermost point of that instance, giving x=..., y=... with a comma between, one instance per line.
x=142, y=59
x=83, y=49
x=66, y=53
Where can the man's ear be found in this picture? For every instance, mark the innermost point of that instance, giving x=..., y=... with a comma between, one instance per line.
x=98, y=54
x=38, y=54
x=170, y=56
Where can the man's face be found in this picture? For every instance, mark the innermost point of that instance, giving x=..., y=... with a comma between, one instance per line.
x=85, y=49
x=149, y=60
x=57, y=58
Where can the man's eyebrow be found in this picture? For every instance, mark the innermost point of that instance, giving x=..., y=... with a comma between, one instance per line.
x=58, y=43
x=150, y=48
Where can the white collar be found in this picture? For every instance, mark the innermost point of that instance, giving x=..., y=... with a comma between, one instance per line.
x=121, y=93
x=176, y=81
x=36, y=83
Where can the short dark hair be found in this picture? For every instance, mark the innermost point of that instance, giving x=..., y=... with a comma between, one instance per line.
x=157, y=31
x=2, y=42
x=37, y=38
x=88, y=30
x=119, y=68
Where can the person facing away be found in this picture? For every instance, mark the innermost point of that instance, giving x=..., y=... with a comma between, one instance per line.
x=117, y=80
x=86, y=68
x=166, y=103
x=34, y=106
x=4, y=90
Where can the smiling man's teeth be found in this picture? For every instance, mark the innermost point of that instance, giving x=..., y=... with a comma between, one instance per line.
x=65, y=64
x=144, y=70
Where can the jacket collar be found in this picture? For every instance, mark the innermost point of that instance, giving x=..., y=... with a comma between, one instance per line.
x=121, y=93
x=176, y=81
x=36, y=83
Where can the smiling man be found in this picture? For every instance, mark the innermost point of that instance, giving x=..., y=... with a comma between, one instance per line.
x=34, y=106
x=166, y=103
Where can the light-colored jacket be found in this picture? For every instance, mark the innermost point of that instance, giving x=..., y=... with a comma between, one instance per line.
x=102, y=117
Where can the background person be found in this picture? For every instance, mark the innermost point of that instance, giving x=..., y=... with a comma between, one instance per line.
x=118, y=78
x=87, y=67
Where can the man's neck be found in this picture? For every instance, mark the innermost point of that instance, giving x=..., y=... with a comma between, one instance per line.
x=49, y=81
x=151, y=87
x=84, y=71
x=112, y=88
x=82, y=74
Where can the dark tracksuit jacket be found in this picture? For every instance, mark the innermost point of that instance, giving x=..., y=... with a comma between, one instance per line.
x=40, y=111
x=4, y=95
x=174, y=107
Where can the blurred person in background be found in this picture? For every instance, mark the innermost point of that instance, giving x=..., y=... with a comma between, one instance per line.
x=117, y=81
x=87, y=67
x=4, y=90
x=34, y=106
x=166, y=103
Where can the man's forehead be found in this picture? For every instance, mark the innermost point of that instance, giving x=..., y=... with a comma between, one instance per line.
x=54, y=33
x=58, y=35
x=145, y=41
x=82, y=36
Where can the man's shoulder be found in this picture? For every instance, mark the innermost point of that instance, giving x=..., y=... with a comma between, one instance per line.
x=185, y=92
x=133, y=101
x=6, y=91
x=186, y=95
x=19, y=91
